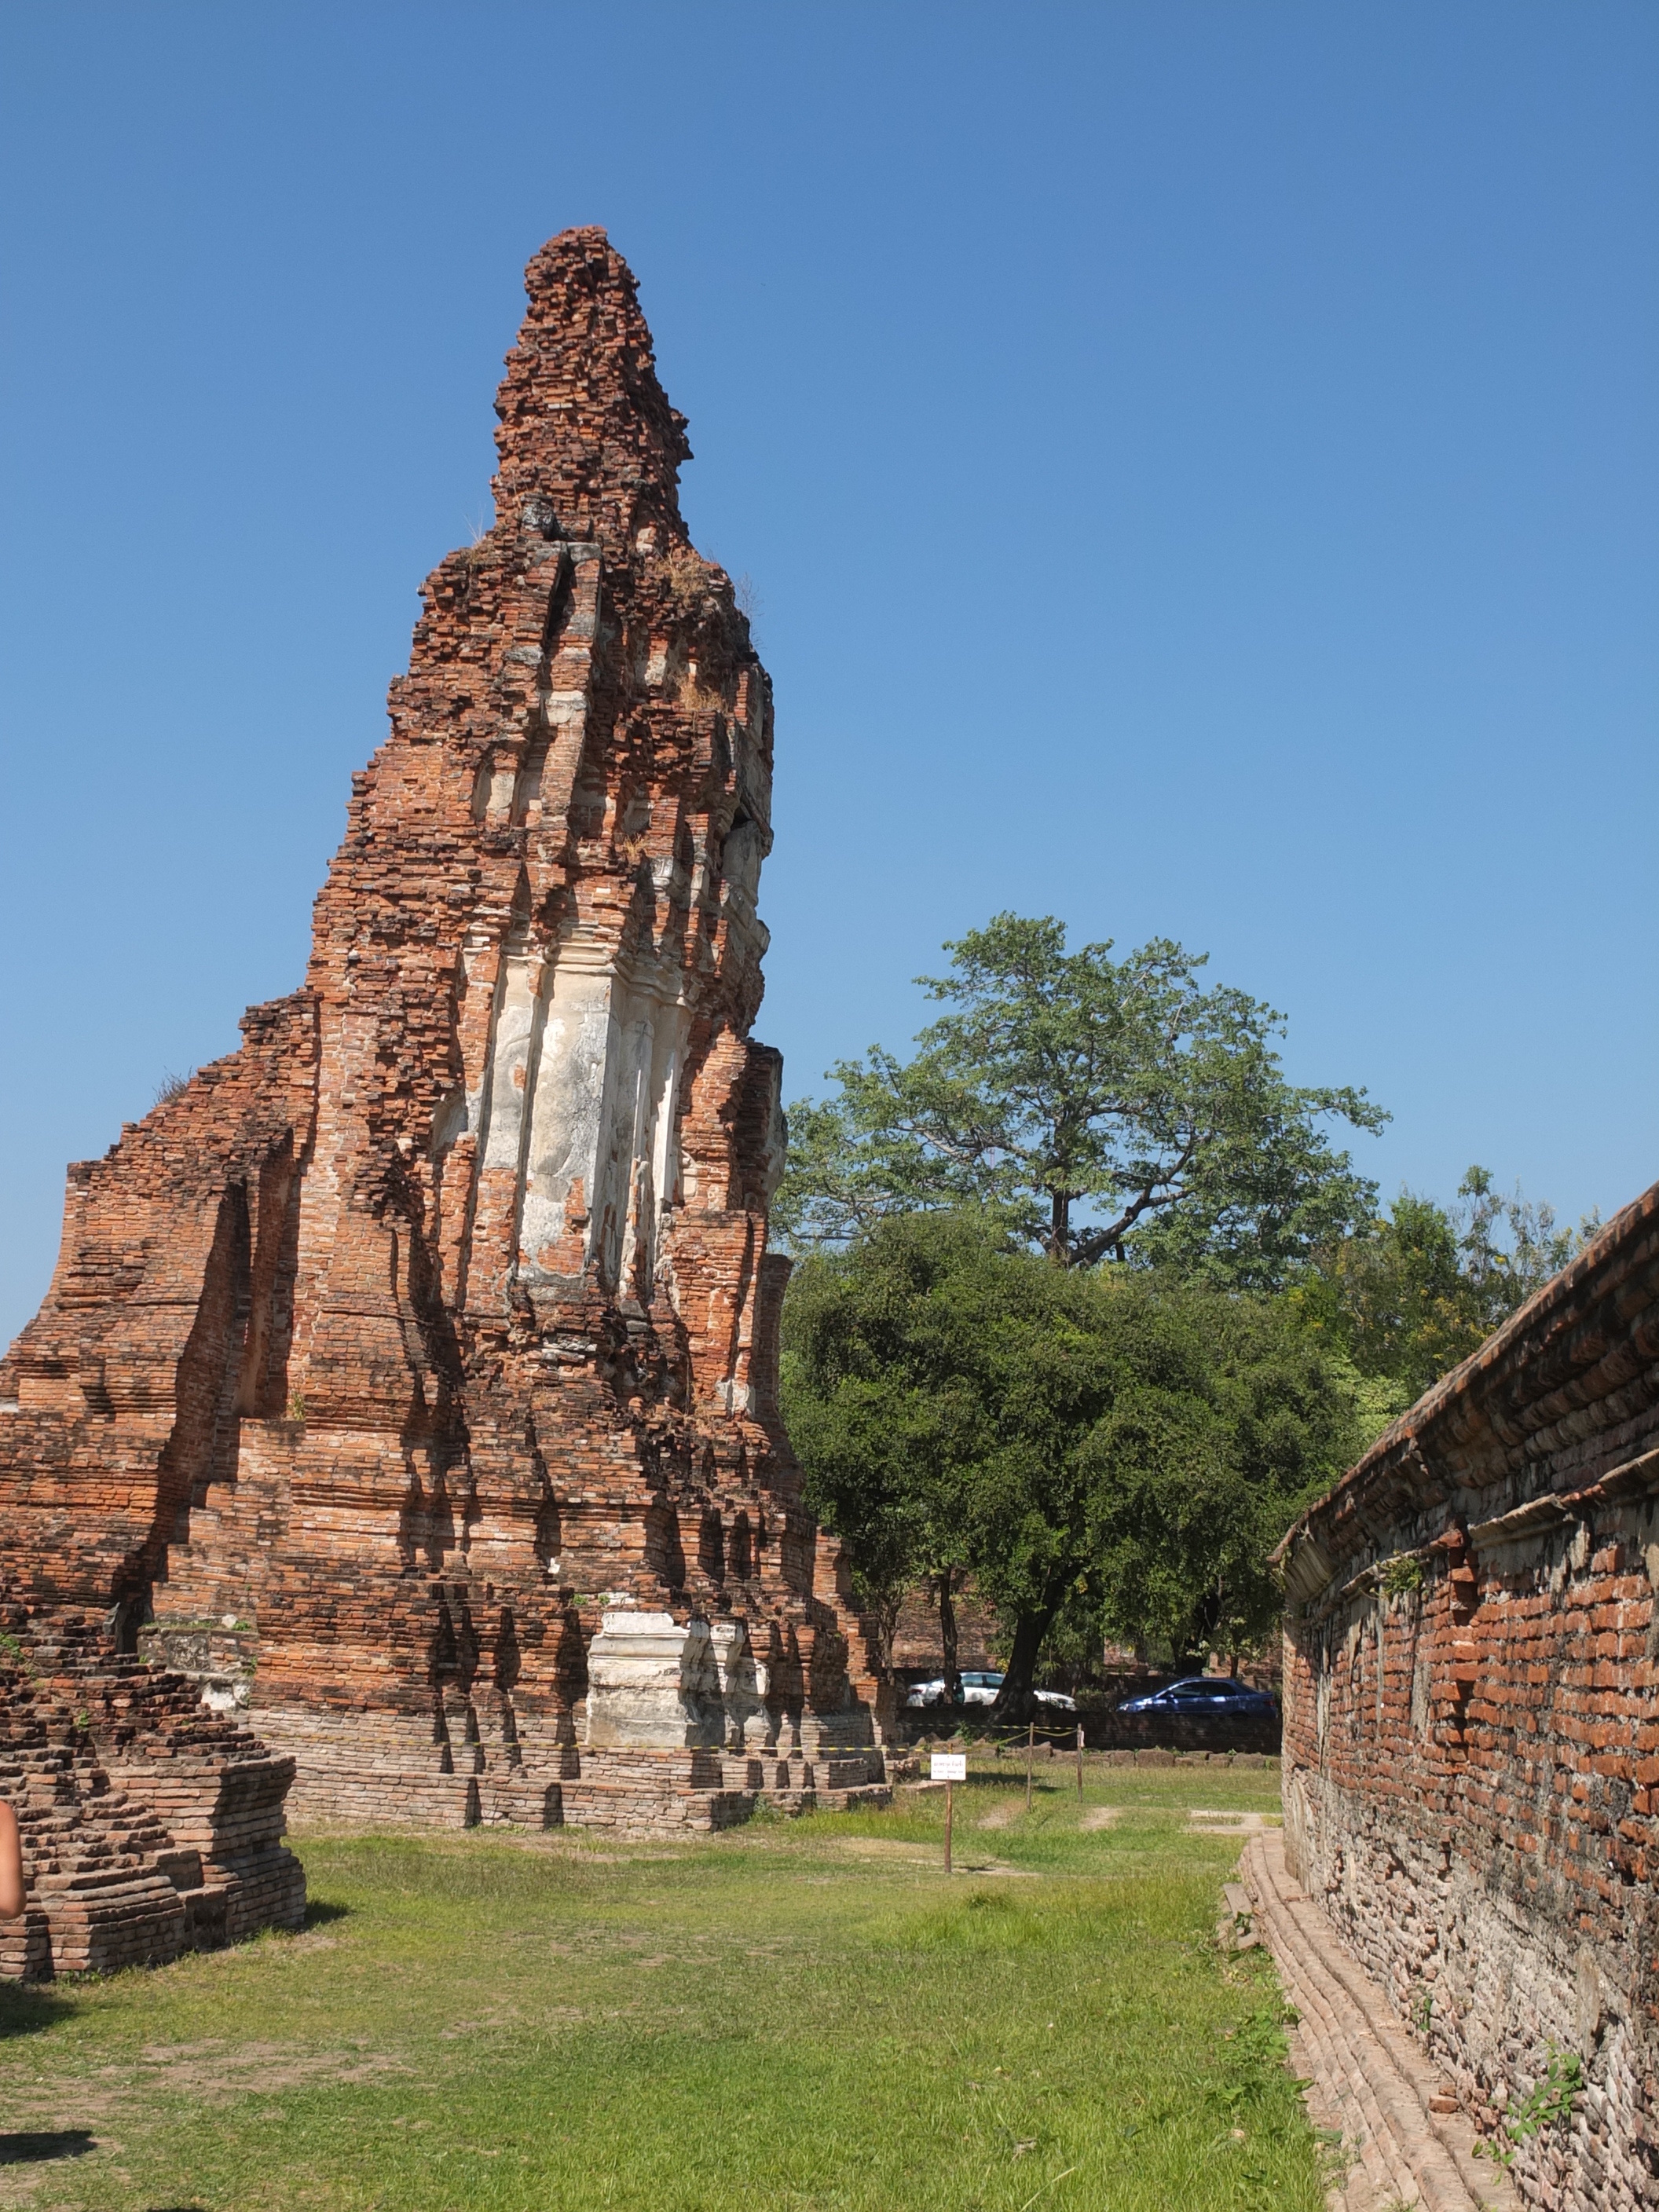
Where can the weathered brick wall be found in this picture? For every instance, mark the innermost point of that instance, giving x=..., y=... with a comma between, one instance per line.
x=1471, y=1729
x=919, y=1639
x=439, y=1316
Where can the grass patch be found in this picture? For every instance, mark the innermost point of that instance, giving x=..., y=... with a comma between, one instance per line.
x=806, y=2016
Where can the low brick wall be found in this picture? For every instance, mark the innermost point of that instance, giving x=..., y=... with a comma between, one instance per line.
x=1471, y=1770
x=1112, y=1731
x=1106, y=1731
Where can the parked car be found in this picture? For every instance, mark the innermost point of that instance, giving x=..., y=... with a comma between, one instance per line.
x=979, y=1688
x=1200, y=1694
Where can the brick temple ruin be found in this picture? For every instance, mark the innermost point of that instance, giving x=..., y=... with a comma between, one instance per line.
x=1471, y=1748
x=409, y=1381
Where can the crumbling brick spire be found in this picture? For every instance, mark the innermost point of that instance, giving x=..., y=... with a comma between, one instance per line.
x=587, y=437
x=434, y=1333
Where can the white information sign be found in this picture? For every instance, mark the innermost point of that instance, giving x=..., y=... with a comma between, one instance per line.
x=950, y=1766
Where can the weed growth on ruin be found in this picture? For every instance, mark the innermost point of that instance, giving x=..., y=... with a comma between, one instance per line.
x=1402, y=1575
x=1547, y=2106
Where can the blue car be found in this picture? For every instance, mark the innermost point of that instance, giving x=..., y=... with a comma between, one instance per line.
x=1197, y=1695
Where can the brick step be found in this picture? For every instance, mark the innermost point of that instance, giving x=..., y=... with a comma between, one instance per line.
x=26, y=1946
x=867, y=1796
x=140, y=1923
x=122, y=1834
x=386, y=1796
x=86, y=1853
x=864, y=1796
x=1368, y=2072
x=638, y=1808
x=773, y=1771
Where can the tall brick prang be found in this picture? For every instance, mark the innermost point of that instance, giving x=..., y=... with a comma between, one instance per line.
x=410, y=1377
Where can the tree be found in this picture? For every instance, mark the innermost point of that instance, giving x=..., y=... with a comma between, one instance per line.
x=1191, y=1487
x=1106, y=1446
x=1102, y=1107
x=880, y=1428
x=1414, y=1291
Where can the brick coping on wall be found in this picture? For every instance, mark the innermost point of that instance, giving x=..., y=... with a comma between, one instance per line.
x=1544, y=1332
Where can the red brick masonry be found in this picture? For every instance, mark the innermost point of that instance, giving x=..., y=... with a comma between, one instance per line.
x=1471, y=1726
x=149, y=1827
x=437, y=1326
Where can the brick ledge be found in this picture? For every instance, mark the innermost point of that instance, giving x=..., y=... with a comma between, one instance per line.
x=1367, y=2076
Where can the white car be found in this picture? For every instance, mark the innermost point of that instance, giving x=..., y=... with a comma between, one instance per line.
x=979, y=1688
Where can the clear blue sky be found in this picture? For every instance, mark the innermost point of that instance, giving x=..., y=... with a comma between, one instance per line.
x=1197, y=464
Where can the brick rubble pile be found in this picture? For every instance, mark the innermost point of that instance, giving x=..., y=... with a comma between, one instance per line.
x=149, y=1826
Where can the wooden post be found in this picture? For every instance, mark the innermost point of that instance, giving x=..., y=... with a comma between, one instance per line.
x=1030, y=1754
x=948, y=1787
x=1079, y=1762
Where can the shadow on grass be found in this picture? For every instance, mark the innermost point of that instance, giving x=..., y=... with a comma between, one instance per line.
x=45, y=2143
x=30, y=2011
x=320, y=1912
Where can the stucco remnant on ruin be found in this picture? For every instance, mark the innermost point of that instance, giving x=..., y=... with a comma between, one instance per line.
x=411, y=1377
x=1471, y=1729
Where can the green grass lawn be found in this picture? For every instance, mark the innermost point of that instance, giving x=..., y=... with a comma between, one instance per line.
x=800, y=2014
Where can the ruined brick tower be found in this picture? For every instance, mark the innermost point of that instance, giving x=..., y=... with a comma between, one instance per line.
x=411, y=1375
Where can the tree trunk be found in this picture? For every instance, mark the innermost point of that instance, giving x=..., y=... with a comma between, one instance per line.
x=1014, y=1701
x=1060, y=1228
x=884, y=1611
x=947, y=1635
x=1206, y=1627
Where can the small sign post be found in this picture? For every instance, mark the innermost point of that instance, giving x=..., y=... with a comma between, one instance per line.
x=1030, y=1754
x=948, y=1767
x=1079, y=1762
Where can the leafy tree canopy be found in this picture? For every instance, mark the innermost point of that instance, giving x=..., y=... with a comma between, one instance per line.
x=1101, y=1106
x=1111, y=1448
x=1412, y=1292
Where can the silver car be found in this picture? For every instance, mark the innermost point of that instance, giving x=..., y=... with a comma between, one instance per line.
x=979, y=1688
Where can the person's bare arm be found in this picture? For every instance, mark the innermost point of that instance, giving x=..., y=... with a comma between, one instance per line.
x=11, y=1865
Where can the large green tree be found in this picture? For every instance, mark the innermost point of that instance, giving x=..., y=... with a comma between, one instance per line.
x=1105, y=1106
x=1109, y=1447
x=1414, y=1291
